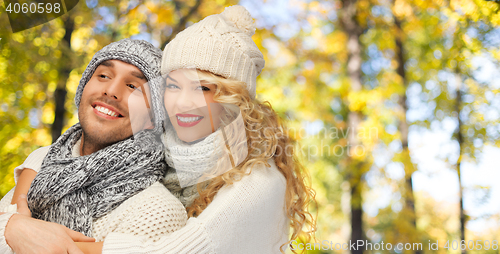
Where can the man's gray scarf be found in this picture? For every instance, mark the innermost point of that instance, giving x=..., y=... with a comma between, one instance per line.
x=72, y=191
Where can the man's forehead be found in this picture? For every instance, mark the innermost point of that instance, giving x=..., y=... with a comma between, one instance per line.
x=134, y=71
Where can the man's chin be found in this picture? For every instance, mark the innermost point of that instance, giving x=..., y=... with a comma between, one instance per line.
x=103, y=136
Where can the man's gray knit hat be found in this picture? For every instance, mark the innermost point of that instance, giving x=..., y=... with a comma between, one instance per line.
x=142, y=55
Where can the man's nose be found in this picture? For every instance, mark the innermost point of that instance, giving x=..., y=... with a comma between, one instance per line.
x=114, y=89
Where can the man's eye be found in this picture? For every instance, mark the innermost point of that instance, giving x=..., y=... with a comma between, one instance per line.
x=134, y=87
x=103, y=76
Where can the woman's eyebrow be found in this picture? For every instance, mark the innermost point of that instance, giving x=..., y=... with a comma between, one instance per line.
x=172, y=78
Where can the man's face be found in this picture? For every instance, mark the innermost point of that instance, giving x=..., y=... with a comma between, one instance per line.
x=115, y=87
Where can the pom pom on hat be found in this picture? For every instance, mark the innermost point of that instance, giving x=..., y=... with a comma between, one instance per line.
x=238, y=16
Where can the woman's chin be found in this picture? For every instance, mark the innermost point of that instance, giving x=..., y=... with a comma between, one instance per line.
x=193, y=134
x=189, y=137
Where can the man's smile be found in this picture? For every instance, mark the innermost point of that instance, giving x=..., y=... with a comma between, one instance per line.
x=106, y=111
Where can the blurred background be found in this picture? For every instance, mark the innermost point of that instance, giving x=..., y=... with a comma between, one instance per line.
x=395, y=104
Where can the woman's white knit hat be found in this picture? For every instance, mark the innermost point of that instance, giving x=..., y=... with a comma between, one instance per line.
x=220, y=44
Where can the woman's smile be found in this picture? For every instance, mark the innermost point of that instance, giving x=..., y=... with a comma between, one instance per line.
x=188, y=120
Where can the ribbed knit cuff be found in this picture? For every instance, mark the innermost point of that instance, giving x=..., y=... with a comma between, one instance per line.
x=190, y=239
x=4, y=247
x=9, y=209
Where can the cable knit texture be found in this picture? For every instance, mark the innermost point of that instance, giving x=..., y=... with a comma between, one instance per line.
x=193, y=159
x=221, y=44
x=4, y=247
x=152, y=213
x=188, y=162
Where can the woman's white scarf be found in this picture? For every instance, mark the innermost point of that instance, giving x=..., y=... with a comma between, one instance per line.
x=188, y=163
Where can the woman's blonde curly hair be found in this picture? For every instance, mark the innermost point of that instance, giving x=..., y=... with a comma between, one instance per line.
x=266, y=139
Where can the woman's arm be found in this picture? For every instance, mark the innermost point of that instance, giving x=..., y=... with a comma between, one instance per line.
x=23, y=183
x=33, y=162
x=245, y=217
x=90, y=248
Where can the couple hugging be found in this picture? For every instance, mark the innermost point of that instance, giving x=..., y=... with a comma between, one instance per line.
x=172, y=154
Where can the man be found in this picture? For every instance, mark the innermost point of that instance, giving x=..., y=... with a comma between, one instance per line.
x=96, y=164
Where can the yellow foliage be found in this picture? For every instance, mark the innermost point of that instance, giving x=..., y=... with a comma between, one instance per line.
x=314, y=6
x=18, y=37
x=12, y=145
x=335, y=43
x=42, y=137
x=165, y=15
x=48, y=114
x=402, y=9
x=73, y=81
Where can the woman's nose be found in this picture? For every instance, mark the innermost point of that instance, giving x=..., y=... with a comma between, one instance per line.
x=189, y=100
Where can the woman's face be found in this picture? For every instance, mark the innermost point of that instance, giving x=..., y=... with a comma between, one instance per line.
x=190, y=105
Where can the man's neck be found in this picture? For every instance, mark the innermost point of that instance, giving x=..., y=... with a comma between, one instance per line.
x=89, y=147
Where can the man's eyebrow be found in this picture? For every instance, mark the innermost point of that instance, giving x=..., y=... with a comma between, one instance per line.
x=172, y=78
x=108, y=63
x=138, y=75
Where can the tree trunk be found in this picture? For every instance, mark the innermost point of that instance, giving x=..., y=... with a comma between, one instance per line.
x=460, y=139
x=354, y=31
x=182, y=22
x=404, y=130
x=65, y=68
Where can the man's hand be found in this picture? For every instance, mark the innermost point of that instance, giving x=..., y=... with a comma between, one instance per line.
x=27, y=235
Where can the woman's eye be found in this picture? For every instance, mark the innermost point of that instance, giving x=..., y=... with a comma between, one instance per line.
x=203, y=88
x=172, y=86
x=102, y=76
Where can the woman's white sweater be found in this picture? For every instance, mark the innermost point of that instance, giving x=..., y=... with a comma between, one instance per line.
x=245, y=217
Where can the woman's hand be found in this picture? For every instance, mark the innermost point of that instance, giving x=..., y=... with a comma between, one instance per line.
x=27, y=235
x=90, y=248
x=22, y=205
